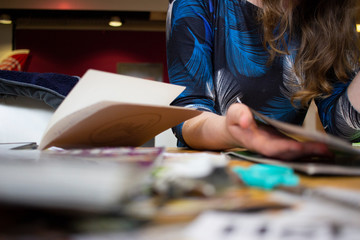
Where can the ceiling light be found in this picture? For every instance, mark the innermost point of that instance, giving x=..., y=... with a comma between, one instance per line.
x=115, y=22
x=5, y=19
x=358, y=27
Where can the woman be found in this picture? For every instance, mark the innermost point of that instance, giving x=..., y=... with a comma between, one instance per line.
x=273, y=56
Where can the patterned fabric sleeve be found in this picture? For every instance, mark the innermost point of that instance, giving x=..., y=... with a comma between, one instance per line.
x=189, y=51
x=338, y=116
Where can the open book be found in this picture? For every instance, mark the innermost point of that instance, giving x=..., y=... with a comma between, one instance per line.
x=107, y=109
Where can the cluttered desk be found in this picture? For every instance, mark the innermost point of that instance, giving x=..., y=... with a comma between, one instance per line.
x=77, y=182
x=158, y=193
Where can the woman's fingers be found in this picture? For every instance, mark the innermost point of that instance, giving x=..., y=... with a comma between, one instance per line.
x=289, y=149
x=245, y=132
x=240, y=124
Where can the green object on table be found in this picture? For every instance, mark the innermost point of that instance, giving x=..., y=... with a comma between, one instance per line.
x=267, y=176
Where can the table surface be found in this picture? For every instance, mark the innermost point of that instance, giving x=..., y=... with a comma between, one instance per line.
x=253, y=197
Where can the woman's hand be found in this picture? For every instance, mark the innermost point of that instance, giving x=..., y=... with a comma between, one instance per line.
x=244, y=131
x=239, y=129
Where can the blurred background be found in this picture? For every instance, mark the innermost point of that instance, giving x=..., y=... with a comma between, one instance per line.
x=70, y=37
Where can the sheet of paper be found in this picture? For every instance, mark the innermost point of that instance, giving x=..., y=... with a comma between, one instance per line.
x=192, y=165
x=306, y=223
x=107, y=109
x=97, y=86
x=113, y=124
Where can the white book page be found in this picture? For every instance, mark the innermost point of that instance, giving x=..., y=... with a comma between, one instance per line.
x=97, y=86
x=107, y=109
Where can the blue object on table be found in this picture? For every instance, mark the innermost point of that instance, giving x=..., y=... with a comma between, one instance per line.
x=267, y=176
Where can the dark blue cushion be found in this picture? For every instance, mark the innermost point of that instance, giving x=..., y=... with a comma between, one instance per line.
x=51, y=88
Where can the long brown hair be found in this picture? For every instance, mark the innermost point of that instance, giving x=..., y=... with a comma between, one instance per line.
x=328, y=40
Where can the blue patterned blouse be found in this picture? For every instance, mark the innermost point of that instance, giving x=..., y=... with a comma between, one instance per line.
x=215, y=49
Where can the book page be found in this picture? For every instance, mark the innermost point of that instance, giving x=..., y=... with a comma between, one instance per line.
x=114, y=124
x=106, y=109
x=97, y=86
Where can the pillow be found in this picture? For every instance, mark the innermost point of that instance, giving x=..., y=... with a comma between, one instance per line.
x=50, y=88
x=15, y=60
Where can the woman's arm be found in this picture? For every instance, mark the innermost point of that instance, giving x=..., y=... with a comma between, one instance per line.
x=238, y=129
x=189, y=55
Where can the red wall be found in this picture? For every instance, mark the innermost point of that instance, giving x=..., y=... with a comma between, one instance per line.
x=75, y=51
